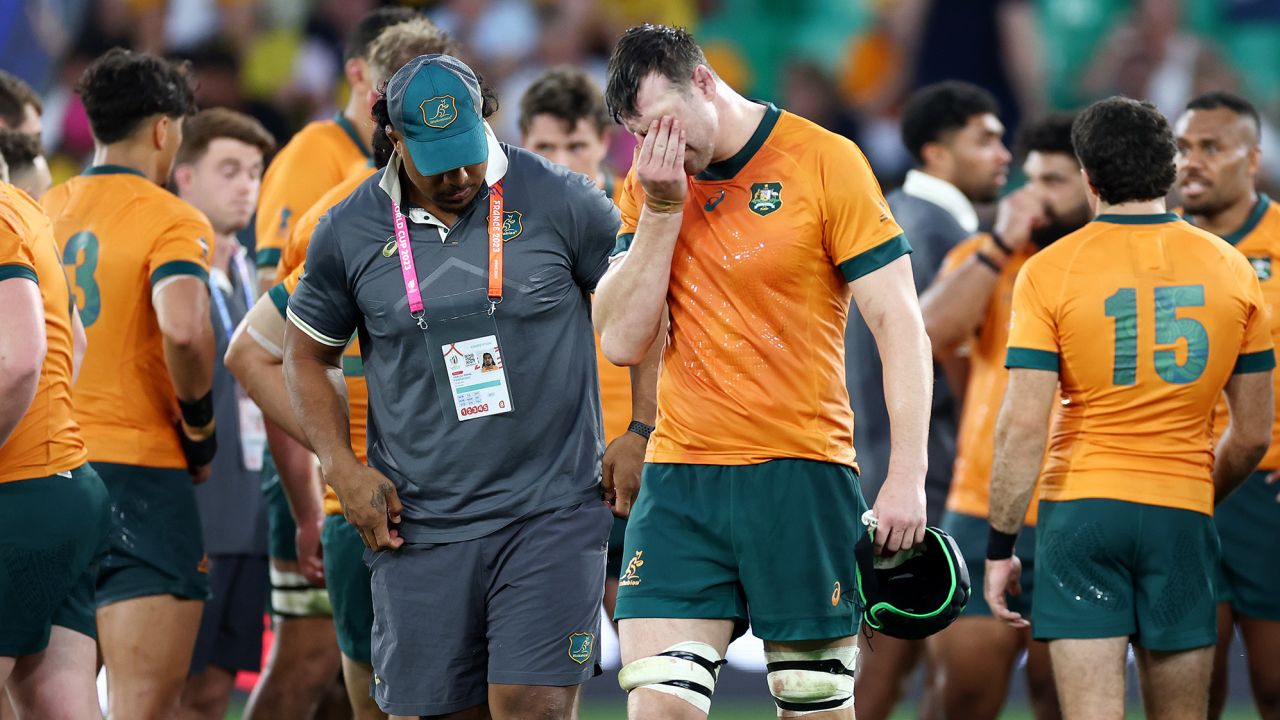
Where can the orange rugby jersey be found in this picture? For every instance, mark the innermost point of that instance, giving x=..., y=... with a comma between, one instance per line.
x=47, y=439
x=320, y=156
x=122, y=237
x=759, y=297
x=615, y=381
x=292, y=265
x=975, y=447
x=1259, y=240
x=1144, y=318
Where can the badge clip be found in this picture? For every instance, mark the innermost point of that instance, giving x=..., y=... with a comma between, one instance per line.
x=421, y=317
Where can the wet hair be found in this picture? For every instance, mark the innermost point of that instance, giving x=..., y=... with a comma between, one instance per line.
x=935, y=110
x=402, y=42
x=643, y=50
x=208, y=125
x=567, y=94
x=122, y=88
x=1127, y=149
x=19, y=150
x=1049, y=134
x=15, y=96
x=370, y=27
x=1217, y=99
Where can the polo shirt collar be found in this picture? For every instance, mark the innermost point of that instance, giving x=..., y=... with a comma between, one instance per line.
x=943, y=194
x=390, y=182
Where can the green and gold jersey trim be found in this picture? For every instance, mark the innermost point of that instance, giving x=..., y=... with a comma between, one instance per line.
x=1151, y=219
x=352, y=366
x=280, y=298
x=877, y=257
x=1251, y=222
x=9, y=272
x=1030, y=359
x=268, y=257
x=1253, y=362
x=112, y=170
x=354, y=136
x=727, y=169
x=179, y=267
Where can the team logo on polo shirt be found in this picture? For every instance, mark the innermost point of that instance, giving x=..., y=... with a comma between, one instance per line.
x=512, y=225
x=581, y=646
x=1262, y=266
x=390, y=248
x=766, y=197
x=439, y=112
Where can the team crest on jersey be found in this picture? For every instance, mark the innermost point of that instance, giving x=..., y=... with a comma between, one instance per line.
x=512, y=225
x=581, y=645
x=439, y=112
x=766, y=197
x=1262, y=266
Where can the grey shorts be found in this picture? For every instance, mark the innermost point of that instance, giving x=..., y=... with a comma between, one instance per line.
x=518, y=607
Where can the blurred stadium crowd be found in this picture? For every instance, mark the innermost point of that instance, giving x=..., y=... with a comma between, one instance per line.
x=846, y=64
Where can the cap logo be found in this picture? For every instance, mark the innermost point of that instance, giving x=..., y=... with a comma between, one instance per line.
x=439, y=112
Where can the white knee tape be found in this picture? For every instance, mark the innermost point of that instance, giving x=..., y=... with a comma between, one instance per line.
x=809, y=682
x=293, y=596
x=687, y=670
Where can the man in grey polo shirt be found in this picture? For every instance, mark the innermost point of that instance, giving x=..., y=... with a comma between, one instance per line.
x=481, y=501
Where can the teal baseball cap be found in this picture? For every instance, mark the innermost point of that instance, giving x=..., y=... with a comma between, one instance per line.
x=435, y=104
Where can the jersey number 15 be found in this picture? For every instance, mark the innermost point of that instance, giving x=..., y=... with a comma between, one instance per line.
x=1123, y=306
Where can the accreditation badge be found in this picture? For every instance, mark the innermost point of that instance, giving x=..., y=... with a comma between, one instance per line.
x=477, y=377
x=253, y=431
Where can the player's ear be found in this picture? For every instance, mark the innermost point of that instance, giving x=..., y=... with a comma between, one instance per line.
x=356, y=71
x=160, y=131
x=1255, y=160
x=182, y=176
x=704, y=81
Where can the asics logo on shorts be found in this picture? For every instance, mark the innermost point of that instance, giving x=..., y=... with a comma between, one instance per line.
x=630, y=577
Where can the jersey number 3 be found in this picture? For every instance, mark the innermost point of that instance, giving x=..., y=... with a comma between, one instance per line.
x=81, y=255
x=1170, y=329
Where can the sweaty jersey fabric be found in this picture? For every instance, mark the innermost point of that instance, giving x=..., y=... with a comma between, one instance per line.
x=1259, y=240
x=292, y=265
x=975, y=447
x=464, y=480
x=753, y=369
x=122, y=238
x=317, y=158
x=47, y=440
x=1144, y=318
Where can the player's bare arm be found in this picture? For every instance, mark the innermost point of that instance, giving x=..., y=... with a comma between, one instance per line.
x=313, y=374
x=79, y=344
x=632, y=296
x=1251, y=404
x=624, y=457
x=255, y=357
x=887, y=300
x=182, y=312
x=22, y=352
x=1021, y=433
x=953, y=307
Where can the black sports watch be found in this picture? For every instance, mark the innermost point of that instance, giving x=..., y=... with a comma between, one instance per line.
x=640, y=429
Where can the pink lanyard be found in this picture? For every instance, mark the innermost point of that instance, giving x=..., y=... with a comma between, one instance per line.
x=410, y=273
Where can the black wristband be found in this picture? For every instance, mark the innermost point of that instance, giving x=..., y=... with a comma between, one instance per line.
x=1000, y=243
x=198, y=452
x=640, y=429
x=197, y=413
x=985, y=260
x=1000, y=545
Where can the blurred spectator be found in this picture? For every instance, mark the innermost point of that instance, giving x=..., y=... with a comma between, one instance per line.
x=27, y=167
x=217, y=67
x=810, y=92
